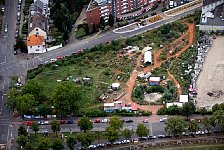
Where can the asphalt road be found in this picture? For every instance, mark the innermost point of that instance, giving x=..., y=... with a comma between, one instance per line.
x=7, y=41
x=10, y=65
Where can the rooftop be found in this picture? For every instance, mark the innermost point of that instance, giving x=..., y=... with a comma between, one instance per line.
x=35, y=40
x=217, y=19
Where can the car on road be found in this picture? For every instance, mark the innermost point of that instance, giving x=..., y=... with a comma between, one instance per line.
x=145, y=120
x=161, y=136
x=151, y=137
x=2, y=9
x=163, y=119
x=70, y=122
x=104, y=121
x=19, y=7
x=53, y=60
x=97, y=121
x=6, y=28
x=43, y=122
x=128, y=121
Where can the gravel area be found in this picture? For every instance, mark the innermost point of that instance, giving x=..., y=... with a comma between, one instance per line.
x=210, y=85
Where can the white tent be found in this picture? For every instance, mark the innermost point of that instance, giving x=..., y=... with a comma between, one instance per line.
x=148, y=57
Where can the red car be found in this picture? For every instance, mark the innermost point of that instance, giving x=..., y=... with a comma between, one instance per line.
x=97, y=121
x=29, y=123
x=59, y=58
x=62, y=121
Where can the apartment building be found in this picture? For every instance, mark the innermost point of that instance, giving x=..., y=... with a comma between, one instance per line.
x=120, y=9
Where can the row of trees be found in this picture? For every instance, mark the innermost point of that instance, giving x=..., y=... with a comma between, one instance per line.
x=113, y=131
x=31, y=99
x=175, y=126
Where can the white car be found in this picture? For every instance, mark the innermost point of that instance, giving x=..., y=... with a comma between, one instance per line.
x=104, y=121
x=163, y=120
x=53, y=60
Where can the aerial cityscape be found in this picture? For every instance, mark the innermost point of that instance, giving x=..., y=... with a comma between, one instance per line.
x=111, y=74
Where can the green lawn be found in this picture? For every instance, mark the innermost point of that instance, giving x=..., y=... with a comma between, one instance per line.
x=80, y=32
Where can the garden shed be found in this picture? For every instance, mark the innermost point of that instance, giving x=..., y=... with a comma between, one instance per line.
x=148, y=57
x=183, y=98
x=154, y=81
x=115, y=86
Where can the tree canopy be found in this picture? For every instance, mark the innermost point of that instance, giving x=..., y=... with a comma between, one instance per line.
x=193, y=126
x=142, y=130
x=219, y=118
x=85, y=138
x=188, y=109
x=55, y=126
x=35, y=127
x=116, y=123
x=66, y=98
x=57, y=144
x=127, y=133
x=112, y=134
x=85, y=124
x=44, y=144
x=71, y=142
x=175, y=126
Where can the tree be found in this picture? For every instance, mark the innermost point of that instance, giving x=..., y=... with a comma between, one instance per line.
x=216, y=107
x=102, y=23
x=175, y=126
x=12, y=98
x=71, y=142
x=35, y=127
x=203, y=111
x=193, y=126
x=55, y=126
x=85, y=138
x=29, y=146
x=57, y=144
x=26, y=104
x=22, y=131
x=20, y=44
x=111, y=134
x=21, y=140
x=43, y=144
x=44, y=110
x=127, y=133
x=97, y=136
x=67, y=98
x=85, y=124
x=207, y=123
x=188, y=109
x=111, y=20
x=34, y=88
x=116, y=123
x=142, y=130
x=219, y=118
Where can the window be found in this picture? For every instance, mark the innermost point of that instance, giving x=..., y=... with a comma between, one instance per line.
x=36, y=29
x=30, y=46
x=38, y=46
x=37, y=50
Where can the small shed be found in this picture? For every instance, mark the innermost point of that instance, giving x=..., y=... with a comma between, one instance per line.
x=108, y=107
x=148, y=57
x=134, y=108
x=183, y=98
x=154, y=81
x=115, y=86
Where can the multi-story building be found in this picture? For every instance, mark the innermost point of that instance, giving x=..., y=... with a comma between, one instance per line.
x=120, y=9
x=212, y=16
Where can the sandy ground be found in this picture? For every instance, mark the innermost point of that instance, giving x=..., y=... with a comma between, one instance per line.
x=152, y=97
x=212, y=76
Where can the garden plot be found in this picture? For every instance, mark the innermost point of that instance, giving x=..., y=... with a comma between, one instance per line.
x=210, y=82
x=152, y=97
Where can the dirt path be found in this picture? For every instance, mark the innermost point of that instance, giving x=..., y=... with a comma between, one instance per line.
x=176, y=83
x=157, y=63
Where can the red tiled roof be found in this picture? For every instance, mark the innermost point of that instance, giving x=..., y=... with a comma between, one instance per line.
x=134, y=107
x=35, y=40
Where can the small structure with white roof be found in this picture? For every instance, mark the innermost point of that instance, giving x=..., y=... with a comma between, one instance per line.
x=115, y=86
x=154, y=81
x=148, y=57
x=183, y=98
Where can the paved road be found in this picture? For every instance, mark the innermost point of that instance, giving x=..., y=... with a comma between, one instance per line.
x=7, y=41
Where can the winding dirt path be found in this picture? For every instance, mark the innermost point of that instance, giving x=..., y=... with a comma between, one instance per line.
x=127, y=98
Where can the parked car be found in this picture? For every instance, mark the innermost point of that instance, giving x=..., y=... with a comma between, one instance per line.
x=92, y=147
x=29, y=123
x=128, y=120
x=143, y=138
x=145, y=120
x=59, y=58
x=161, y=136
x=62, y=122
x=43, y=122
x=6, y=28
x=53, y=60
x=97, y=121
x=163, y=119
x=104, y=120
x=19, y=7
x=151, y=137
x=70, y=122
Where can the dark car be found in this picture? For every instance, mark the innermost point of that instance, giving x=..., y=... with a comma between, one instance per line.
x=143, y=138
x=70, y=122
x=97, y=121
x=62, y=121
x=129, y=121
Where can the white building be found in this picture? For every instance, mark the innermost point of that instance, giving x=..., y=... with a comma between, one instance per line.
x=36, y=44
x=183, y=98
x=148, y=57
x=212, y=17
x=173, y=104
